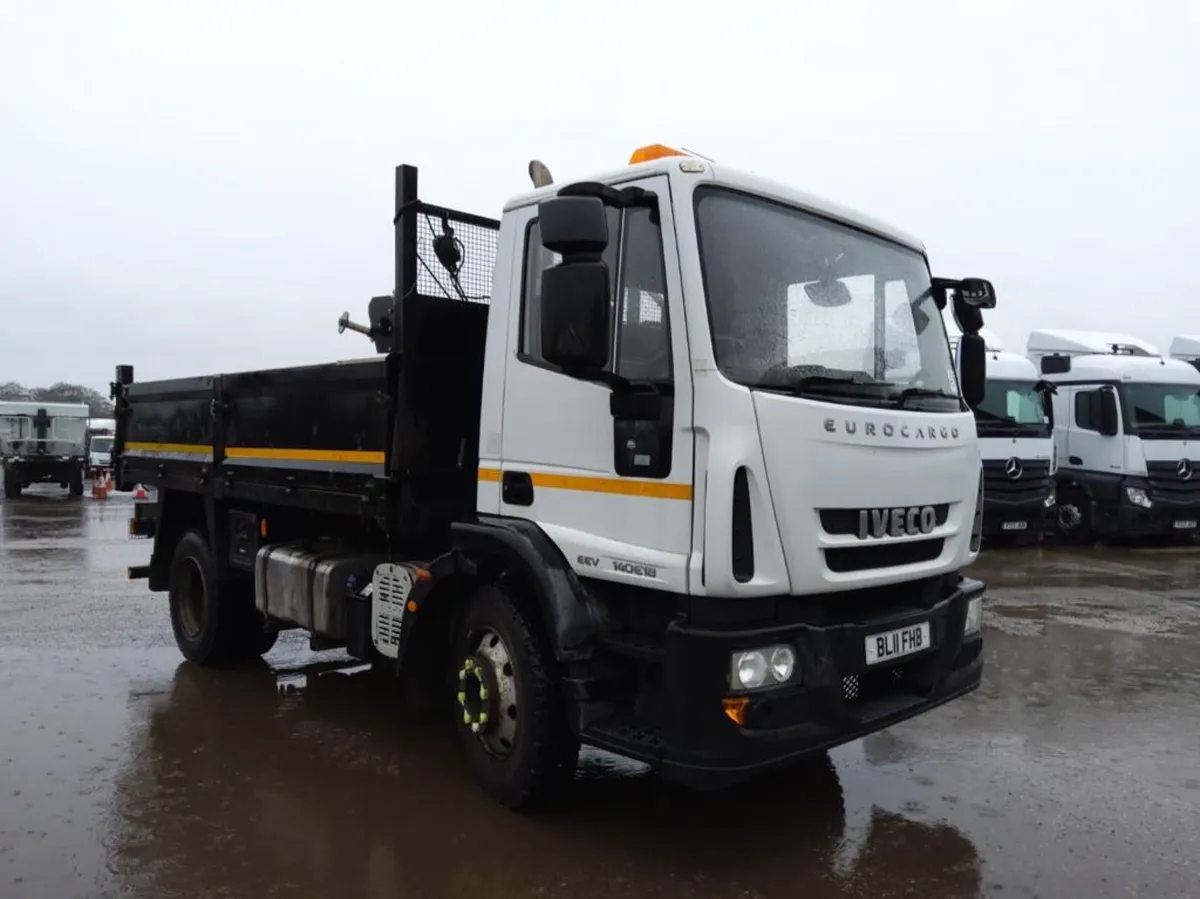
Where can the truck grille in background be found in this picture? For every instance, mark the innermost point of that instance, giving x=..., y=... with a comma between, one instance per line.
x=1166, y=483
x=842, y=559
x=842, y=522
x=1030, y=486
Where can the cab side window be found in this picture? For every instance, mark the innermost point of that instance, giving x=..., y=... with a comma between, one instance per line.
x=640, y=343
x=1087, y=410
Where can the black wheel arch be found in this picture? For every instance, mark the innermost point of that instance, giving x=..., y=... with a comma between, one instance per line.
x=573, y=616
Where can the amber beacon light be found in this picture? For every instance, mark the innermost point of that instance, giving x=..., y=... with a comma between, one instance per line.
x=652, y=152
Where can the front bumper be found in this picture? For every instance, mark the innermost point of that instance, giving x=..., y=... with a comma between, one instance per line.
x=1164, y=517
x=1001, y=518
x=833, y=698
x=44, y=469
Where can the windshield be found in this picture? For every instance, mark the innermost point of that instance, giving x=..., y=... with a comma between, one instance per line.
x=803, y=304
x=102, y=444
x=1011, y=405
x=1160, y=408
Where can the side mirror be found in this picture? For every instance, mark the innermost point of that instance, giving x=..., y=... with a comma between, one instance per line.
x=1109, y=421
x=576, y=293
x=972, y=368
x=573, y=226
x=976, y=293
x=970, y=295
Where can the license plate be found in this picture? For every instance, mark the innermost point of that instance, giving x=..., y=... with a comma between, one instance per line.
x=1189, y=525
x=895, y=644
x=1014, y=525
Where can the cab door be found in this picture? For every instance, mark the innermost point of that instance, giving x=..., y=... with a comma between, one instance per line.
x=606, y=471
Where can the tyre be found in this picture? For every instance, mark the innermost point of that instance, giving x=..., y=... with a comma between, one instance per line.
x=12, y=488
x=76, y=487
x=1075, y=516
x=509, y=715
x=213, y=627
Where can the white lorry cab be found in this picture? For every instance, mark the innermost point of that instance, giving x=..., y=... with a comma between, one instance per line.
x=1127, y=434
x=1015, y=421
x=1186, y=348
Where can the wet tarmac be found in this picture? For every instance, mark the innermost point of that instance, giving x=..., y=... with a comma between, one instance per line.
x=1074, y=771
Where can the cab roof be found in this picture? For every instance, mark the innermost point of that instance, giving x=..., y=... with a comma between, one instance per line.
x=712, y=173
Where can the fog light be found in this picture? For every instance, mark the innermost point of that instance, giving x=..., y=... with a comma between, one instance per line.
x=974, y=622
x=765, y=667
x=783, y=663
x=1138, y=497
x=1051, y=501
x=749, y=669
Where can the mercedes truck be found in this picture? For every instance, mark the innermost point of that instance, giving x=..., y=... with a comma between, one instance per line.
x=1014, y=421
x=1127, y=435
x=598, y=484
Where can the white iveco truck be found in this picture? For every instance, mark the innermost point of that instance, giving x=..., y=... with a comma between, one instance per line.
x=696, y=484
x=1127, y=434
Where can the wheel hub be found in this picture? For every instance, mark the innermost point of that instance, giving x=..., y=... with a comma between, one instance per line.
x=1069, y=516
x=487, y=694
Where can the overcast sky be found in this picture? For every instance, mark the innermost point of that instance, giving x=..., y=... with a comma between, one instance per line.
x=207, y=186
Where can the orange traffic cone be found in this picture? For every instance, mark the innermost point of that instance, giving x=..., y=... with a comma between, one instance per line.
x=141, y=493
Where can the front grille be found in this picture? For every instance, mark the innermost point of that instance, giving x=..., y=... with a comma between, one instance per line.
x=1031, y=485
x=843, y=559
x=1166, y=483
x=846, y=522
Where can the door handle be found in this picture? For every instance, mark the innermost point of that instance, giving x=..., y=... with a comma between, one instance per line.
x=516, y=488
x=1074, y=460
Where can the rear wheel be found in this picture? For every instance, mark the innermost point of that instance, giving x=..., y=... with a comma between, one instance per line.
x=213, y=626
x=509, y=712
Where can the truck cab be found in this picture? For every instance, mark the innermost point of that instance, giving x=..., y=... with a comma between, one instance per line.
x=42, y=443
x=1186, y=348
x=673, y=461
x=1127, y=429
x=1014, y=421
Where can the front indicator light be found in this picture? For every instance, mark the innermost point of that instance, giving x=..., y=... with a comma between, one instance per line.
x=735, y=709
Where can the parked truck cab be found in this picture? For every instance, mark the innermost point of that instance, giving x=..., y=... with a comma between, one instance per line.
x=1015, y=421
x=42, y=443
x=672, y=461
x=1127, y=434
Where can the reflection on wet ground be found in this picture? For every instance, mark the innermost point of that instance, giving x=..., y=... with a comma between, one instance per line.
x=1071, y=772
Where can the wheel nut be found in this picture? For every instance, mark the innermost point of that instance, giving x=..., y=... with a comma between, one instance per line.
x=483, y=717
x=462, y=698
x=483, y=693
x=475, y=727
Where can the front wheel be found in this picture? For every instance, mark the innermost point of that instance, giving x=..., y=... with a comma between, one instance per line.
x=1075, y=517
x=508, y=706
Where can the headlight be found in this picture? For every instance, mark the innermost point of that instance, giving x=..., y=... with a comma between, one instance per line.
x=766, y=667
x=1051, y=500
x=974, y=622
x=1137, y=496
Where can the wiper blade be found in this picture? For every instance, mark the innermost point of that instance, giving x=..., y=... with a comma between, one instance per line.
x=821, y=384
x=908, y=393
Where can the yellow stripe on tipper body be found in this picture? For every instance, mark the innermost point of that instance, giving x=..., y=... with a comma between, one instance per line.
x=593, y=484
x=259, y=453
x=185, y=449
x=267, y=454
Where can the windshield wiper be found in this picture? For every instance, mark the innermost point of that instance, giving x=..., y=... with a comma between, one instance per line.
x=908, y=393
